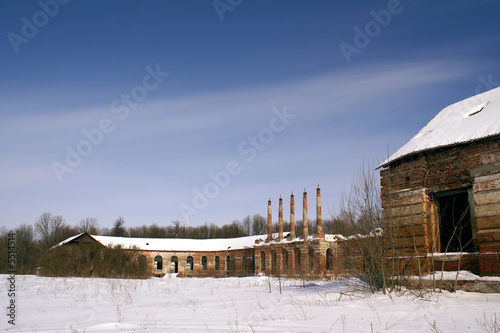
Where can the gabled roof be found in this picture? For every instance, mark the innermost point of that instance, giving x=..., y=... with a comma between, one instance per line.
x=474, y=118
x=74, y=239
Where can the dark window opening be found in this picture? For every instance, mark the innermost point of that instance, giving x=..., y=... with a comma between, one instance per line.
x=274, y=263
x=174, y=265
x=228, y=263
x=158, y=262
x=311, y=260
x=189, y=262
x=455, y=228
x=262, y=261
x=204, y=262
x=217, y=263
x=297, y=260
x=248, y=265
x=284, y=255
x=329, y=259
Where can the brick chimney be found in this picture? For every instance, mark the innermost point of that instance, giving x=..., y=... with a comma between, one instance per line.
x=292, y=217
x=304, y=216
x=269, y=222
x=280, y=220
x=319, y=220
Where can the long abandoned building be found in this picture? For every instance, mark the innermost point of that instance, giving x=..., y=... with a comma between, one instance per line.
x=440, y=196
x=272, y=254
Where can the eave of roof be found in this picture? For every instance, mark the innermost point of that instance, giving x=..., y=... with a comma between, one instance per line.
x=472, y=119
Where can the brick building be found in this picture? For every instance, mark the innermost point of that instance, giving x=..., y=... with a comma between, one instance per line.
x=272, y=254
x=441, y=190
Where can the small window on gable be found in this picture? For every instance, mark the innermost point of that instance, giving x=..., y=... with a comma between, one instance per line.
x=476, y=109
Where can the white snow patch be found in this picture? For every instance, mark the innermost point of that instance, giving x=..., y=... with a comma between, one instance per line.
x=235, y=305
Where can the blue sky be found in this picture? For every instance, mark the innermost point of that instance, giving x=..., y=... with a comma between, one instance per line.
x=152, y=100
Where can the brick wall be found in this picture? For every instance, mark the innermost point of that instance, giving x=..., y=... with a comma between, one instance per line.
x=411, y=216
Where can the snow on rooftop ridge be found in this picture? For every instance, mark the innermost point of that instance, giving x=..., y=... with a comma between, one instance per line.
x=472, y=119
x=179, y=244
x=67, y=240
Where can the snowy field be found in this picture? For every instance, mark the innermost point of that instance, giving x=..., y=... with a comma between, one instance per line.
x=236, y=305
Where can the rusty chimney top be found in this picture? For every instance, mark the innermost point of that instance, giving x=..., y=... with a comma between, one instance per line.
x=292, y=217
x=319, y=220
x=269, y=222
x=304, y=216
x=280, y=220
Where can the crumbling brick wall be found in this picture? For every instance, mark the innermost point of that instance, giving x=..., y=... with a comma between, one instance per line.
x=411, y=221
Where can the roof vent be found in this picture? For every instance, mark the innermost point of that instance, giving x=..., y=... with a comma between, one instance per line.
x=476, y=110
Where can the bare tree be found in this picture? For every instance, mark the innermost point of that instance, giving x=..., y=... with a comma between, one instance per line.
x=246, y=225
x=259, y=225
x=89, y=225
x=118, y=228
x=25, y=249
x=361, y=212
x=49, y=229
x=178, y=229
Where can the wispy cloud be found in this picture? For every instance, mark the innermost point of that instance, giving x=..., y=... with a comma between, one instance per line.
x=166, y=147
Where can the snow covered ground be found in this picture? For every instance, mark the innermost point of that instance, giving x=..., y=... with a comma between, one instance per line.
x=236, y=305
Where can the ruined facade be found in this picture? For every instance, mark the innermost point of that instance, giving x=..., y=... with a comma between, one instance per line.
x=441, y=191
x=276, y=254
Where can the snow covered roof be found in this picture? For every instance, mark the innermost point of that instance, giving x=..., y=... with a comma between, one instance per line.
x=174, y=244
x=184, y=244
x=472, y=119
x=68, y=240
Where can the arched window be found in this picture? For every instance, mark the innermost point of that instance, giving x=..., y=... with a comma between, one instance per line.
x=228, y=263
x=158, y=262
x=274, y=263
x=262, y=261
x=297, y=260
x=174, y=265
x=189, y=262
x=142, y=261
x=204, y=262
x=329, y=259
x=284, y=255
x=217, y=263
x=311, y=260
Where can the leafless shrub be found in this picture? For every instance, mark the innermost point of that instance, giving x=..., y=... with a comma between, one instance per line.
x=489, y=324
